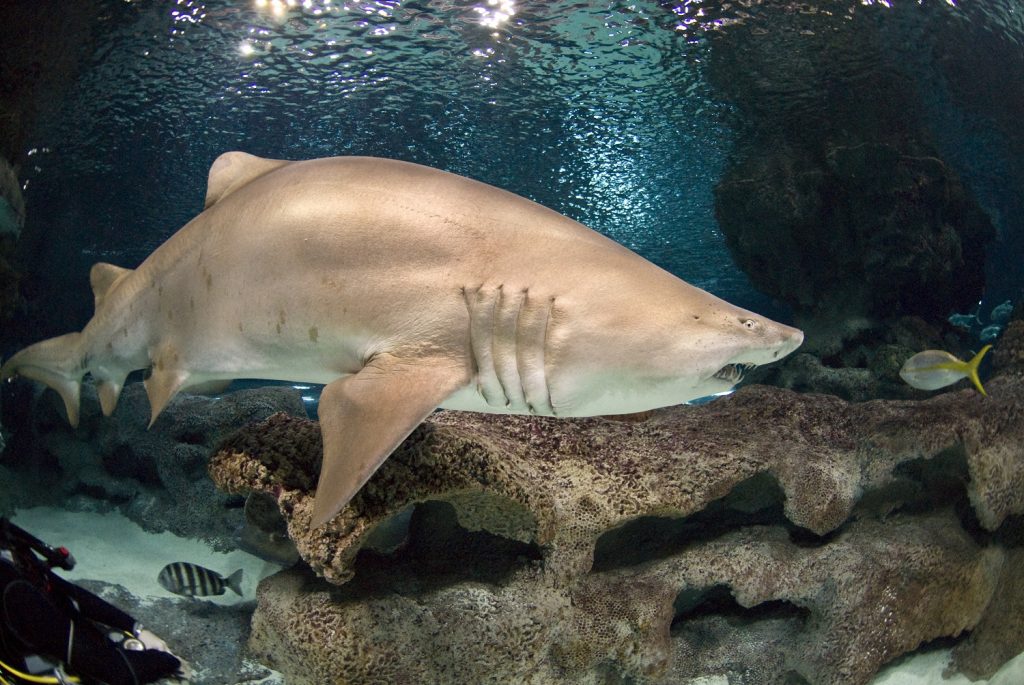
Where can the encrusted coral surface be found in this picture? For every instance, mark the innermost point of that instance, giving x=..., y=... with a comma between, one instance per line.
x=1008, y=356
x=815, y=537
x=561, y=483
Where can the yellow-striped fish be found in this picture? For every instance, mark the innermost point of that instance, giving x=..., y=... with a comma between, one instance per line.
x=934, y=369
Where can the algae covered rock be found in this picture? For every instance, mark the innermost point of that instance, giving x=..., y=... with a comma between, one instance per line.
x=821, y=539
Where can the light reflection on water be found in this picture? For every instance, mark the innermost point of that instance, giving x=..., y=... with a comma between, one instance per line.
x=600, y=110
x=595, y=109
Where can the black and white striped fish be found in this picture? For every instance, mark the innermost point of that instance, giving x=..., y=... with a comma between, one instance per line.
x=191, y=580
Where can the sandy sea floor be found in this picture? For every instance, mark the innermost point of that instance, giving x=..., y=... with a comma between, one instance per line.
x=112, y=549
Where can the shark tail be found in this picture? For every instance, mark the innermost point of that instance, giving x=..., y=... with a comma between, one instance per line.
x=57, y=363
x=972, y=369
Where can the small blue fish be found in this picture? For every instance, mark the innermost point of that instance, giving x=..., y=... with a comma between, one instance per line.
x=989, y=333
x=964, y=321
x=1001, y=313
x=934, y=369
x=192, y=580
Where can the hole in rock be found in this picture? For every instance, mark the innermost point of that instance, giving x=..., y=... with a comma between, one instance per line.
x=924, y=485
x=747, y=645
x=101, y=494
x=192, y=438
x=755, y=501
x=918, y=486
x=939, y=644
x=1011, y=532
x=390, y=534
x=930, y=484
x=942, y=643
x=436, y=552
x=803, y=537
x=718, y=600
x=794, y=678
x=234, y=502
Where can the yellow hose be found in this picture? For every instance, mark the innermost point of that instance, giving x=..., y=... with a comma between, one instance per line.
x=27, y=677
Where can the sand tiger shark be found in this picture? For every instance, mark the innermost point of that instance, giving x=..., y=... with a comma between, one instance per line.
x=402, y=289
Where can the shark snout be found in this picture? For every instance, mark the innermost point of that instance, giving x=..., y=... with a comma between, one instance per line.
x=792, y=338
x=778, y=343
x=774, y=344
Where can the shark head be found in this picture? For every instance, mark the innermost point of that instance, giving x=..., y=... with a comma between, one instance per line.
x=739, y=342
x=661, y=353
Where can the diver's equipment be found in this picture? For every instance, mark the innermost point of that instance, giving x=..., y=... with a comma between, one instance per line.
x=25, y=548
x=131, y=641
x=49, y=626
x=133, y=644
x=16, y=537
x=41, y=671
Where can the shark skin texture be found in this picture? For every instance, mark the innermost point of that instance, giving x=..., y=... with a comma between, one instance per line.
x=402, y=288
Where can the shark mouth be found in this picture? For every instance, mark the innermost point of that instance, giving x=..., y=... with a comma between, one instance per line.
x=733, y=373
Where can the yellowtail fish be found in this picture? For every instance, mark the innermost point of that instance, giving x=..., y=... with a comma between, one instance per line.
x=192, y=580
x=934, y=369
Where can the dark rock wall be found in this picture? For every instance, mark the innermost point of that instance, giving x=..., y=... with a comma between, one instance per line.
x=838, y=201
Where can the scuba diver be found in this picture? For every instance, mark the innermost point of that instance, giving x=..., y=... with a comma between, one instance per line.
x=50, y=628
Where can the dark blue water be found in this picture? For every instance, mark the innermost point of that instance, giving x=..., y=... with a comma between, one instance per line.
x=603, y=111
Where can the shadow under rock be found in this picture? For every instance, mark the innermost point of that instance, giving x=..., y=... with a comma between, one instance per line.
x=437, y=553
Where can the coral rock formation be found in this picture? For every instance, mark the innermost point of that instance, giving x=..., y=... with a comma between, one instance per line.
x=1008, y=356
x=818, y=539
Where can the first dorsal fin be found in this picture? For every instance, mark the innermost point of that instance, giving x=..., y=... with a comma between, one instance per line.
x=102, y=278
x=233, y=170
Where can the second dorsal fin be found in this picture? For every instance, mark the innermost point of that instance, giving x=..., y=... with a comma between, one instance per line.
x=233, y=170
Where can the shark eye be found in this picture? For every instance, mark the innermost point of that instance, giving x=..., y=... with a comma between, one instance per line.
x=749, y=324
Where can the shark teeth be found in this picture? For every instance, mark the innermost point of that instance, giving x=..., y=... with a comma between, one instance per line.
x=733, y=373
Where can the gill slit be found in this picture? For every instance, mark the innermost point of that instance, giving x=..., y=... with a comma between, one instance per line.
x=506, y=347
x=521, y=348
x=508, y=339
x=544, y=355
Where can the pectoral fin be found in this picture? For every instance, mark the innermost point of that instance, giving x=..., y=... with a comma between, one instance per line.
x=364, y=417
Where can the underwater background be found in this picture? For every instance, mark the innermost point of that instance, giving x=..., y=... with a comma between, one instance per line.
x=852, y=167
x=625, y=116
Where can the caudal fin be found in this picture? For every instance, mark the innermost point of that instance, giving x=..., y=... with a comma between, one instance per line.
x=972, y=369
x=234, y=582
x=56, y=362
